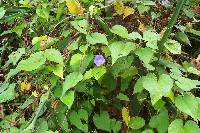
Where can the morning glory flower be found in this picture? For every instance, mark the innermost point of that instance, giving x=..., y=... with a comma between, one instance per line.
x=99, y=60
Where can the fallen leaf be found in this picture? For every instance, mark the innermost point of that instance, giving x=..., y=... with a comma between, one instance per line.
x=128, y=11
x=25, y=86
x=120, y=9
x=141, y=27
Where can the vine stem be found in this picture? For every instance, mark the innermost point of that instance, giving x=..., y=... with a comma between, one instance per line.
x=171, y=24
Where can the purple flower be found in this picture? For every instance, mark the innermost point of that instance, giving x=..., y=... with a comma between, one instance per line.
x=99, y=60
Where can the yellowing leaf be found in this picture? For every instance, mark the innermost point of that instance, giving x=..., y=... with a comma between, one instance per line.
x=125, y=115
x=119, y=7
x=74, y=7
x=54, y=104
x=141, y=27
x=128, y=11
x=25, y=86
x=28, y=86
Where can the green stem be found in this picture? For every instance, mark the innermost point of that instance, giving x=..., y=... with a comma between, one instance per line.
x=171, y=24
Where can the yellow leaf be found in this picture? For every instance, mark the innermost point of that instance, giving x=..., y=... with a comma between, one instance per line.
x=74, y=7
x=25, y=86
x=141, y=27
x=28, y=86
x=125, y=115
x=119, y=7
x=128, y=11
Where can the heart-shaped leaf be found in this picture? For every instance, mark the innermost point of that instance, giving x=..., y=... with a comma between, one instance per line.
x=120, y=49
x=77, y=118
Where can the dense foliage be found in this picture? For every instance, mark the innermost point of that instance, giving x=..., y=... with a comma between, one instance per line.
x=129, y=66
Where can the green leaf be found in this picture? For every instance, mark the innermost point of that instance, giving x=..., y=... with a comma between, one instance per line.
x=151, y=38
x=102, y=121
x=188, y=104
x=159, y=88
x=12, y=73
x=121, y=65
x=152, y=44
x=98, y=72
x=120, y=49
x=120, y=31
x=53, y=55
x=19, y=29
x=173, y=46
x=134, y=35
x=8, y=94
x=146, y=55
x=41, y=126
x=88, y=75
x=2, y=12
x=189, y=12
x=3, y=86
x=130, y=72
x=122, y=97
x=139, y=85
x=143, y=8
x=80, y=25
x=96, y=37
x=115, y=125
x=182, y=37
x=148, y=131
x=74, y=45
x=37, y=40
x=68, y=98
x=186, y=84
x=150, y=84
x=58, y=70
x=155, y=121
x=176, y=126
x=136, y=122
x=191, y=127
x=80, y=62
x=71, y=80
x=15, y=56
x=43, y=12
x=33, y=62
x=80, y=119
